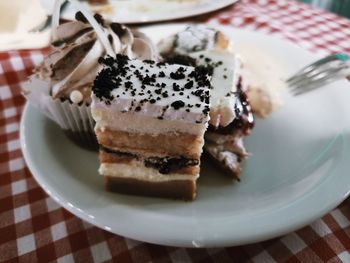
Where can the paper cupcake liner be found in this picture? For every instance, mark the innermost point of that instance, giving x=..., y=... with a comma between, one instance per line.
x=75, y=120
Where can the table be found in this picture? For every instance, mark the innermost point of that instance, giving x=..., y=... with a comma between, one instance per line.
x=33, y=228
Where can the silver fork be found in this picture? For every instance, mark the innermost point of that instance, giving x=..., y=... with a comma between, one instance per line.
x=319, y=73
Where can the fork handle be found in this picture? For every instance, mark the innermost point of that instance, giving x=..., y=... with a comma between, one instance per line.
x=342, y=57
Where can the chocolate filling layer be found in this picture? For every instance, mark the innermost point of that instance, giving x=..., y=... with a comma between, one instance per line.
x=164, y=165
x=119, y=153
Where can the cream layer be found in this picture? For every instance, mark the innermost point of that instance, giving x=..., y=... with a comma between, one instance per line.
x=133, y=171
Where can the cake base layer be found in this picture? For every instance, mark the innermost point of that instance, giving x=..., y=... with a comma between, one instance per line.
x=180, y=144
x=179, y=189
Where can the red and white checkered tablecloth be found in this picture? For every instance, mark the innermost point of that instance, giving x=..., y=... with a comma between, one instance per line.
x=33, y=228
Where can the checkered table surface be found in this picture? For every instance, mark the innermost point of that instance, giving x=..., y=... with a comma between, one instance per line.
x=33, y=228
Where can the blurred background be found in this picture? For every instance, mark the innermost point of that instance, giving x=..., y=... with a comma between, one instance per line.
x=26, y=29
x=341, y=7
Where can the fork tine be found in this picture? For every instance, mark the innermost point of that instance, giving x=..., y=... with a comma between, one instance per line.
x=318, y=82
x=309, y=85
x=312, y=66
x=318, y=72
x=319, y=76
x=301, y=90
x=307, y=74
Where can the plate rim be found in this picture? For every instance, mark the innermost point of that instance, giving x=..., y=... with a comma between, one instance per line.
x=224, y=241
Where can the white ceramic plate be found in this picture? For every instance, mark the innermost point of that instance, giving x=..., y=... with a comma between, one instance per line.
x=298, y=171
x=145, y=11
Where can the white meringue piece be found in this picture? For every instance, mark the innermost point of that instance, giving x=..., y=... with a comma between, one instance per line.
x=76, y=96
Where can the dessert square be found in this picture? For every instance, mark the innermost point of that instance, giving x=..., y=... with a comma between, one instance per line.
x=150, y=123
x=231, y=118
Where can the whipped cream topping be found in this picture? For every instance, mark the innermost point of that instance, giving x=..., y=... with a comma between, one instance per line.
x=73, y=64
x=170, y=92
x=224, y=101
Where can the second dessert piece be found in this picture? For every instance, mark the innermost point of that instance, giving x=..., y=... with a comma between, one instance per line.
x=231, y=118
x=150, y=122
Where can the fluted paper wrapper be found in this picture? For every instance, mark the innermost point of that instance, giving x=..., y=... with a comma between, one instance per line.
x=75, y=120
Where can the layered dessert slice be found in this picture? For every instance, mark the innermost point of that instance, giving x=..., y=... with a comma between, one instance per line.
x=150, y=123
x=230, y=115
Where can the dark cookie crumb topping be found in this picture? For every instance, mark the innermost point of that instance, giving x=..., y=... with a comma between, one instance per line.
x=120, y=73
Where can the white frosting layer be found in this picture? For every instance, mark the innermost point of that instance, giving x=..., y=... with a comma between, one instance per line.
x=225, y=79
x=159, y=99
x=134, y=171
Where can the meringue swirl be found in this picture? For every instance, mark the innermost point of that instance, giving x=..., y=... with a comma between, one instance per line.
x=73, y=64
